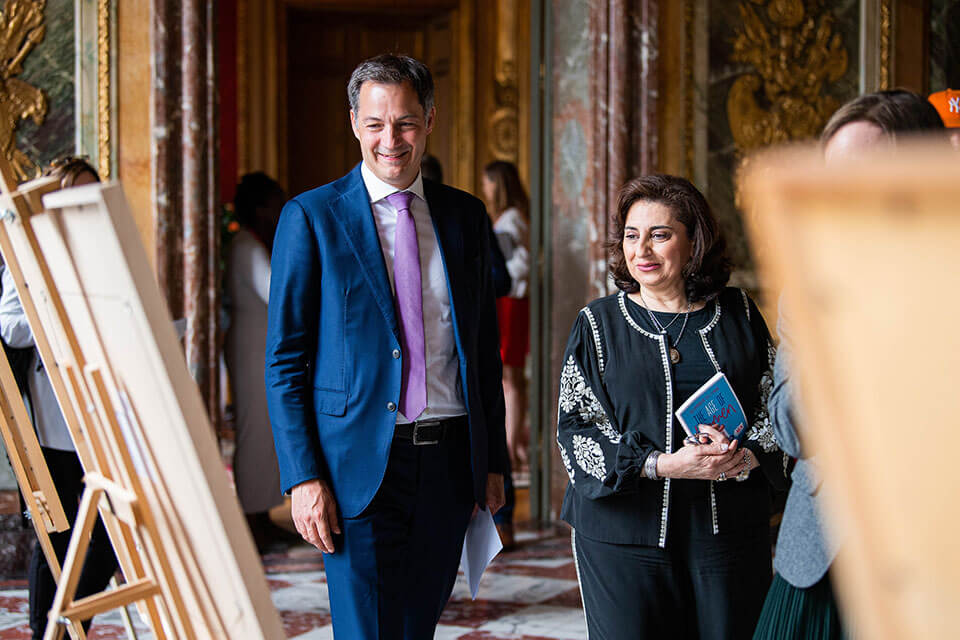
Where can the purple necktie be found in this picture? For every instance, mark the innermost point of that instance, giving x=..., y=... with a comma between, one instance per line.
x=406, y=276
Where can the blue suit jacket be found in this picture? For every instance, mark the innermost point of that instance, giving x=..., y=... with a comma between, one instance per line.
x=332, y=331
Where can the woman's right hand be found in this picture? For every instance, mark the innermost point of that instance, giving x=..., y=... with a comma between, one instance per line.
x=703, y=461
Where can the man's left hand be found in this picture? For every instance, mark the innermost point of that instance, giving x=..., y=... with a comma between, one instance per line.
x=495, y=493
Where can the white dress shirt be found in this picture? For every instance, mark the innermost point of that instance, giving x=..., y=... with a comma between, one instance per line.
x=444, y=398
x=50, y=426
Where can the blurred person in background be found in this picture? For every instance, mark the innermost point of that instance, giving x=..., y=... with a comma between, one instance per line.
x=947, y=104
x=257, y=204
x=670, y=534
x=55, y=440
x=801, y=603
x=508, y=207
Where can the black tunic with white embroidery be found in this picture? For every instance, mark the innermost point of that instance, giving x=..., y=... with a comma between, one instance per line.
x=618, y=395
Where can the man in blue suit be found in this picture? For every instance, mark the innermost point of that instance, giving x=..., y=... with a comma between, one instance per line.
x=382, y=366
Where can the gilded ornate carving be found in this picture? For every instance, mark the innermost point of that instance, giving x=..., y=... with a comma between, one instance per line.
x=794, y=53
x=103, y=88
x=886, y=24
x=504, y=127
x=21, y=29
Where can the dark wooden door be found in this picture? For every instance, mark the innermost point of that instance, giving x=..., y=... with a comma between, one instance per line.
x=322, y=49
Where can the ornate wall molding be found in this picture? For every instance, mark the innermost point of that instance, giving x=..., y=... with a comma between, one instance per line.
x=104, y=102
x=504, y=123
x=876, y=45
x=95, y=84
x=793, y=54
x=886, y=43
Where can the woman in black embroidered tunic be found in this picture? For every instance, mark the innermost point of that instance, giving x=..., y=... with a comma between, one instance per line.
x=670, y=537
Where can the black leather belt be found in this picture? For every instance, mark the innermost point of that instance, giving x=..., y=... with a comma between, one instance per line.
x=425, y=432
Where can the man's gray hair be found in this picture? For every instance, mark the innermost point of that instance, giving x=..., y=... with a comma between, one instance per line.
x=392, y=69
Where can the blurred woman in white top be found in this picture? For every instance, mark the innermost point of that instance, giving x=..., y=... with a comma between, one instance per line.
x=508, y=206
x=257, y=203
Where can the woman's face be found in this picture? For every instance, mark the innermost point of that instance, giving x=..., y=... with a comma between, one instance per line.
x=489, y=189
x=655, y=246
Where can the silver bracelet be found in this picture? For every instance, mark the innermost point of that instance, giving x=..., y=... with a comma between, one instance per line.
x=650, y=465
x=743, y=475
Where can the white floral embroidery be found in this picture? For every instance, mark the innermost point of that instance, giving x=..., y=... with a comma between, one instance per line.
x=577, y=396
x=762, y=430
x=589, y=456
x=566, y=462
x=571, y=385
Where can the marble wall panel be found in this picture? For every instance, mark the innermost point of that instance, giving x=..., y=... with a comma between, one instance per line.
x=570, y=123
x=50, y=67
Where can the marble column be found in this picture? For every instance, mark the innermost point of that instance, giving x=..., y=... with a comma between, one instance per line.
x=623, y=96
x=603, y=126
x=184, y=179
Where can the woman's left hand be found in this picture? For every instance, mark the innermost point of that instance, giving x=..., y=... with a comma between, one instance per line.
x=718, y=458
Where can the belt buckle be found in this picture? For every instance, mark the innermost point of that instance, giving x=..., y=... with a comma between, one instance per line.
x=416, y=431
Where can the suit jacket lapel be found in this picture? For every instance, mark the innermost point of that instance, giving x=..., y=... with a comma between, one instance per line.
x=352, y=211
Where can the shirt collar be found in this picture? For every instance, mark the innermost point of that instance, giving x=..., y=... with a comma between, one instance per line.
x=377, y=189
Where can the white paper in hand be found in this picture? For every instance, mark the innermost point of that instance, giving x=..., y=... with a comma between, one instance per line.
x=480, y=546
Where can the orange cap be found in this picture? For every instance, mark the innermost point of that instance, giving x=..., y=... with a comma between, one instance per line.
x=947, y=104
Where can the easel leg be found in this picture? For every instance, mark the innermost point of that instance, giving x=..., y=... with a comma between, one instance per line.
x=73, y=564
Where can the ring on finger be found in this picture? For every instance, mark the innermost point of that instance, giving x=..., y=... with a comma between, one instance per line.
x=722, y=476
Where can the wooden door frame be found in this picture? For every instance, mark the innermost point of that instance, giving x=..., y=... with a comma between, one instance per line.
x=262, y=81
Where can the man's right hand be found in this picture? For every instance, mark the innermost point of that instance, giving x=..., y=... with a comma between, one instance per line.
x=315, y=513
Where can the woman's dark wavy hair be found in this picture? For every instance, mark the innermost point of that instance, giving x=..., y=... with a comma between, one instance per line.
x=708, y=271
x=68, y=168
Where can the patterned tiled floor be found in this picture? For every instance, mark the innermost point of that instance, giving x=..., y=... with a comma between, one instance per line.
x=528, y=594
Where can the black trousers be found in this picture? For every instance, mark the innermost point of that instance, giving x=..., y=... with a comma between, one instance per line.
x=396, y=563
x=100, y=562
x=698, y=588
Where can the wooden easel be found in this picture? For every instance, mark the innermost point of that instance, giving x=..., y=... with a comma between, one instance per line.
x=32, y=473
x=19, y=204
x=139, y=423
x=37, y=300
x=866, y=252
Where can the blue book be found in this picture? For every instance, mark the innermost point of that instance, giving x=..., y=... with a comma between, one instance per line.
x=715, y=404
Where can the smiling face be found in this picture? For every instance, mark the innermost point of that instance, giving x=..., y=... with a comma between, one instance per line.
x=655, y=247
x=392, y=129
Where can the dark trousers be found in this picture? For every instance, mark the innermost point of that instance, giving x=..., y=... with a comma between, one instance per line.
x=396, y=563
x=706, y=589
x=100, y=562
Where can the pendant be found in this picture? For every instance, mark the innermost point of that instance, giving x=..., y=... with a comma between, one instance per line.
x=674, y=355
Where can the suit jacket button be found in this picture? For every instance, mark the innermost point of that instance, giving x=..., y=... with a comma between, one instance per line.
x=391, y=406
x=396, y=353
